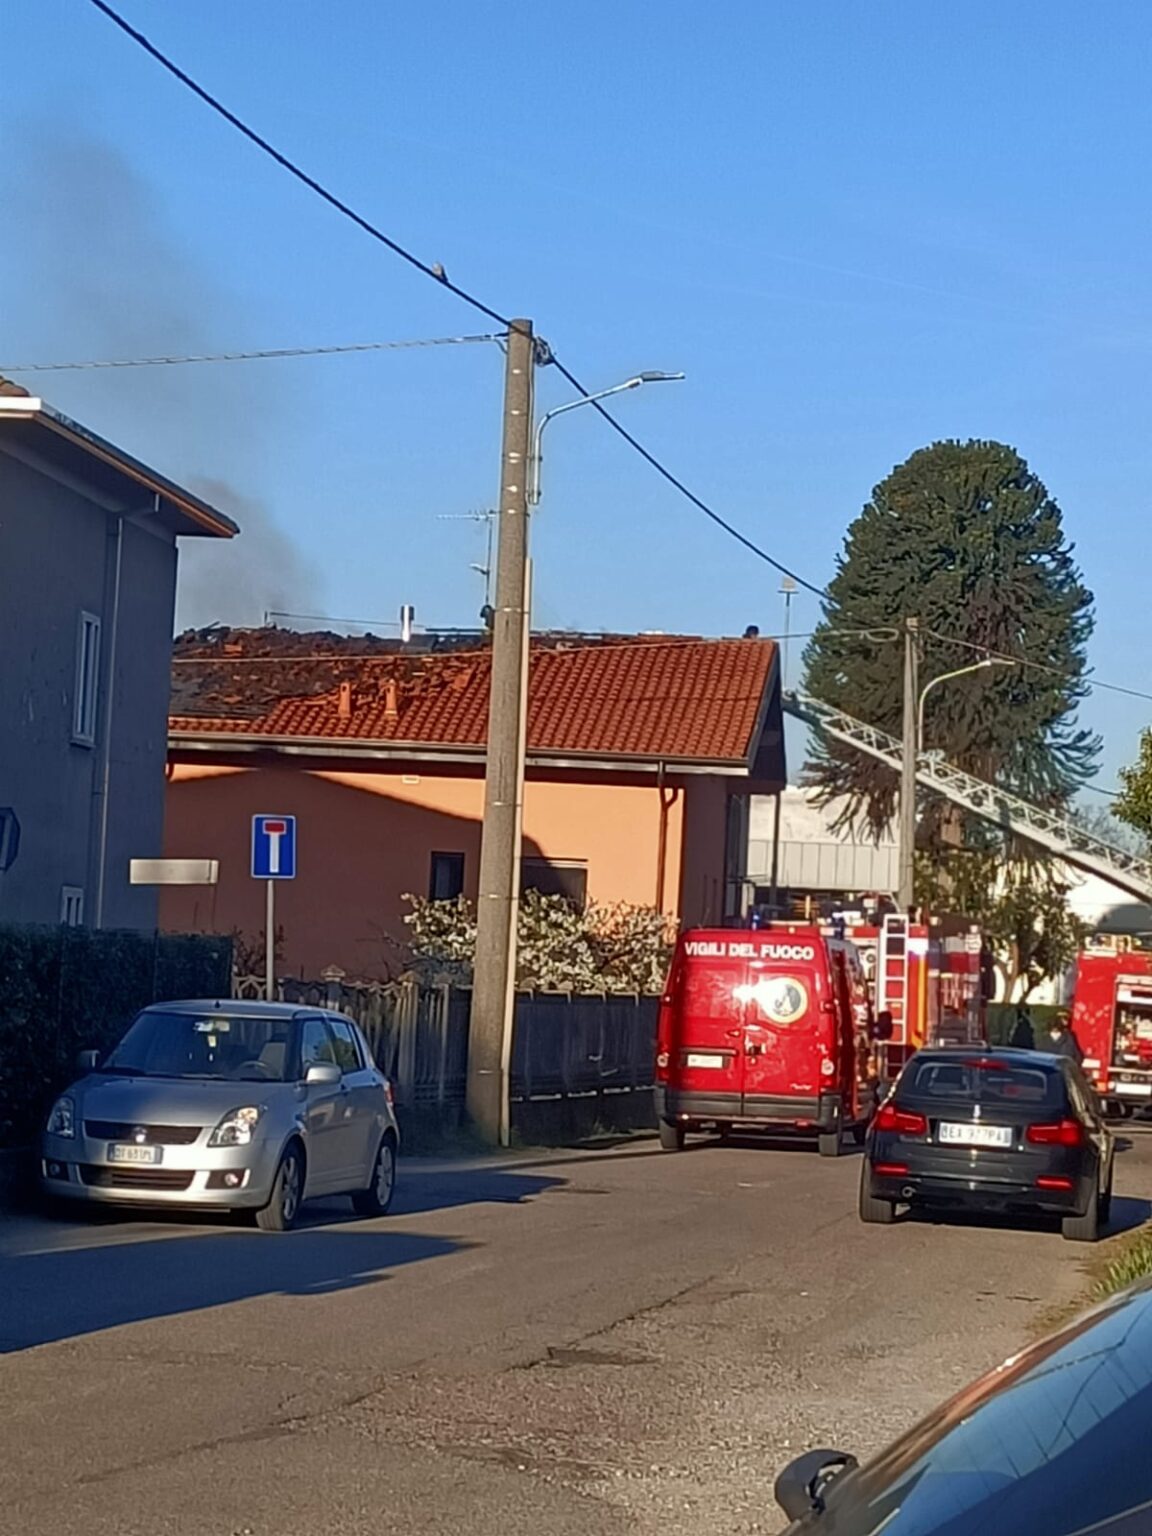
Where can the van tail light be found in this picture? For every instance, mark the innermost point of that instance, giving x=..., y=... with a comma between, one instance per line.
x=1062, y=1133
x=900, y=1122
x=664, y=1039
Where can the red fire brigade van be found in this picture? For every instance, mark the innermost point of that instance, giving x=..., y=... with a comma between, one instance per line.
x=1112, y=1021
x=764, y=1028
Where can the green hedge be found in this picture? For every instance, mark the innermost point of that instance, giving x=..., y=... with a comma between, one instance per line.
x=65, y=990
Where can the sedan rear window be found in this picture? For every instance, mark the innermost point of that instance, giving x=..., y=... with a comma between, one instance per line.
x=976, y=1081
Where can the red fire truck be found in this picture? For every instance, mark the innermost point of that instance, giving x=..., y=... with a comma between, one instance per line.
x=1112, y=1021
x=930, y=979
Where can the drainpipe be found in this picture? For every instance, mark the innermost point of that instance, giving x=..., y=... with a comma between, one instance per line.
x=668, y=798
x=774, y=885
x=106, y=751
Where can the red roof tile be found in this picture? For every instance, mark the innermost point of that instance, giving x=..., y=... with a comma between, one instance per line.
x=678, y=700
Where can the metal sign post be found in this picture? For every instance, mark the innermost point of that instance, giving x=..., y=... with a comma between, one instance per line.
x=273, y=858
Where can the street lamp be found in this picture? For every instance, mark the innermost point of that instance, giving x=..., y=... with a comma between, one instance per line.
x=945, y=677
x=650, y=377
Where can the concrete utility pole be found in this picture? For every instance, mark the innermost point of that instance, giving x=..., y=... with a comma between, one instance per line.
x=911, y=751
x=493, y=993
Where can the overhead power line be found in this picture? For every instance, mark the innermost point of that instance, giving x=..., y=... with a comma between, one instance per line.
x=1035, y=666
x=431, y=270
x=438, y=275
x=247, y=357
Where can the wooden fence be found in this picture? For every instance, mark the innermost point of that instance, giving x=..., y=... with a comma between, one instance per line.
x=579, y=1063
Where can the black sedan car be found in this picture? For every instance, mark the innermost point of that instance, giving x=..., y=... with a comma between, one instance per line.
x=1053, y=1443
x=993, y=1130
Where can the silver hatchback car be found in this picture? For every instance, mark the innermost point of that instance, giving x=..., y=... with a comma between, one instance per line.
x=203, y=1105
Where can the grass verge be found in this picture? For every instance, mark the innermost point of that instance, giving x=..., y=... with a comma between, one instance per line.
x=1118, y=1262
x=1130, y=1260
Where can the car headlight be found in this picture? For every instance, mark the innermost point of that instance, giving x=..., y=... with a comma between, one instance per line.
x=62, y=1120
x=237, y=1127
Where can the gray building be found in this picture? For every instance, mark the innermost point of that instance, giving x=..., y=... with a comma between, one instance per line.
x=87, y=596
x=814, y=858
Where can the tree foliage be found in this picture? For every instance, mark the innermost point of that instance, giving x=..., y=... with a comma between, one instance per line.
x=1021, y=906
x=966, y=538
x=1134, y=805
x=560, y=947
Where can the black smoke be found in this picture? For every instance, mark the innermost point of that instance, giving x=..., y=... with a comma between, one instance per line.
x=101, y=273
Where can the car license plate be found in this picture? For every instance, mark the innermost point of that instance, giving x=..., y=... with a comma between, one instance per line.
x=124, y=1153
x=975, y=1135
x=1143, y=1089
x=703, y=1059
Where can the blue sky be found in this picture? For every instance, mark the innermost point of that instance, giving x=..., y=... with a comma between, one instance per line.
x=856, y=229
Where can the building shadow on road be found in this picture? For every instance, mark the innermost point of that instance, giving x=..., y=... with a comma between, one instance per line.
x=420, y=1191
x=62, y=1280
x=64, y=1293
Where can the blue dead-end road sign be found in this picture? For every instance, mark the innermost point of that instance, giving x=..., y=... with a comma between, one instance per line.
x=273, y=847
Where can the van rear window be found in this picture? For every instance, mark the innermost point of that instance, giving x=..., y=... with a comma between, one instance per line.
x=976, y=1082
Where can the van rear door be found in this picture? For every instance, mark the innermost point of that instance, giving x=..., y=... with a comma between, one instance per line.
x=708, y=1051
x=785, y=1027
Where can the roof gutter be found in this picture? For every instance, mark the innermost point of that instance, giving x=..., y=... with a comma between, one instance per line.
x=31, y=408
x=221, y=742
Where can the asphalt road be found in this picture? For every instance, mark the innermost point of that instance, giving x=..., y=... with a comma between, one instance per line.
x=580, y=1344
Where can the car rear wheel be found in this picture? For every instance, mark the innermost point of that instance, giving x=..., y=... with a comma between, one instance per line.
x=828, y=1143
x=877, y=1213
x=1083, y=1229
x=375, y=1200
x=672, y=1137
x=281, y=1212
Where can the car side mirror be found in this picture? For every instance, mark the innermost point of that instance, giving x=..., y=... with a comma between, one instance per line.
x=323, y=1074
x=801, y=1487
x=87, y=1061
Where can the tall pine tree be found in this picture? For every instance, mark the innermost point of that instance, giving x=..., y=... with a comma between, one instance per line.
x=966, y=538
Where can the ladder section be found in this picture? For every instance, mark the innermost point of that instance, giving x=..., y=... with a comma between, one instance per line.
x=892, y=975
x=1045, y=829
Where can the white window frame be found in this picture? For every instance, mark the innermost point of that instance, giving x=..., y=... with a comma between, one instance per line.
x=72, y=906
x=86, y=701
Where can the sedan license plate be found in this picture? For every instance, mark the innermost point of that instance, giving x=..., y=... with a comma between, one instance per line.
x=125, y=1153
x=975, y=1135
x=703, y=1059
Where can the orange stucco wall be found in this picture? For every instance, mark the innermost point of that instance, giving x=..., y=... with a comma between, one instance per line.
x=365, y=839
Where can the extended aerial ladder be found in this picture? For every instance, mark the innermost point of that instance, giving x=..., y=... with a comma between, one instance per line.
x=1050, y=830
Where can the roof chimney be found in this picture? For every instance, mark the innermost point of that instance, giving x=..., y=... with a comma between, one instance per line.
x=391, y=703
x=407, y=620
x=345, y=706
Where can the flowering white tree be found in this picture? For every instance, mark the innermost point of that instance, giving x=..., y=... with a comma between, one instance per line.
x=560, y=947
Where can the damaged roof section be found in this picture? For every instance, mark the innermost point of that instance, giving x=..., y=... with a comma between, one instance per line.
x=636, y=698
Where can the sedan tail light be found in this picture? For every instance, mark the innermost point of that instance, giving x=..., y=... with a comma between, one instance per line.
x=1062, y=1133
x=902, y=1122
